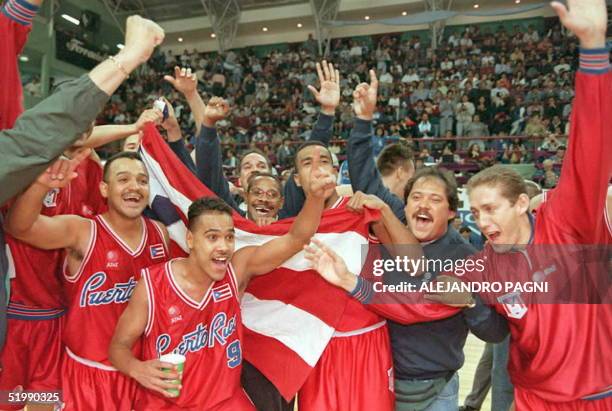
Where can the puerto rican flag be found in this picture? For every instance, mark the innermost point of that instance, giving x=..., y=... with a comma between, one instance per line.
x=289, y=314
x=157, y=251
x=221, y=293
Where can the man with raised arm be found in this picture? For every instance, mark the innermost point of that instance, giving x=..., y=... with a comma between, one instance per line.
x=104, y=256
x=191, y=306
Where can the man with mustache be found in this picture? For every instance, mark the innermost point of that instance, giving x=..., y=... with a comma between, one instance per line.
x=426, y=355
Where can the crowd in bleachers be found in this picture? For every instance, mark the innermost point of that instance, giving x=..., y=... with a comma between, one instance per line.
x=480, y=83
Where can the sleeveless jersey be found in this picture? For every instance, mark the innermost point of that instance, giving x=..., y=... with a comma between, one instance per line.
x=207, y=333
x=99, y=291
x=36, y=286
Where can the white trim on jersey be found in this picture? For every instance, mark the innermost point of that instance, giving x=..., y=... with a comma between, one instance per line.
x=182, y=294
x=90, y=363
x=93, y=235
x=338, y=203
x=146, y=276
x=234, y=281
x=144, y=237
x=164, y=240
x=360, y=330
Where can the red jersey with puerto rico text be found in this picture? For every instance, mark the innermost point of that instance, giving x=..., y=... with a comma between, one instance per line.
x=100, y=290
x=207, y=332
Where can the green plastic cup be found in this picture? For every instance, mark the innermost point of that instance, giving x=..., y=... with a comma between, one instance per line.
x=179, y=361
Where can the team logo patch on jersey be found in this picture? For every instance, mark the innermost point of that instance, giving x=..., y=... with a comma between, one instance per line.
x=86, y=210
x=175, y=314
x=51, y=198
x=221, y=293
x=112, y=259
x=157, y=251
x=513, y=305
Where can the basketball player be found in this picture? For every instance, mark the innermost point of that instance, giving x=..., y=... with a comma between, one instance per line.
x=103, y=259
x=191, y=306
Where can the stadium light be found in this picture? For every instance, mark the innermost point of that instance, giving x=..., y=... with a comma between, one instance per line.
x=71, y=19
x=180, y=39
x=476, y=6
x=517, y=1
x=299, y=25
x=404, y=13
x=120, y=46
x=366, y=18
x=213, y=35
x=264, y=29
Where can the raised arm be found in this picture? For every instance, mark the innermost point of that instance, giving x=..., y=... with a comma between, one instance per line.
x=130, y=327
x=25, y=222
x=328, y=97
x=405, y=308
x=102, y=135
x=251, y=261
x=362, y=167
x=587, y=167
x=42, y=133
x=175, y=138
x=186, y=83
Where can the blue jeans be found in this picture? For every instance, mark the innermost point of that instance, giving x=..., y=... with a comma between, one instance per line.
x=502, y=390
x=448, y=399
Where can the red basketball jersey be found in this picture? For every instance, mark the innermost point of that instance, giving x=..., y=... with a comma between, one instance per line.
x=207, y=333
x=36, y=284
x=100, y=290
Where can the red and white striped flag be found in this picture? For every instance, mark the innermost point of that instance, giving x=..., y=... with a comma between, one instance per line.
x=290, y=314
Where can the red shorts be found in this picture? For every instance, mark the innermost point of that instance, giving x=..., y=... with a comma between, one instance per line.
x=88, y=388
x=355, y=372
x=238, y=402
x=526, y=401
x=32, y=355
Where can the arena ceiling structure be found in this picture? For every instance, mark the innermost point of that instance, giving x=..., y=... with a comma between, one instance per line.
x=222, y=21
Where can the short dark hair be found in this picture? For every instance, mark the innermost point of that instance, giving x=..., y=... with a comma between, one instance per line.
x=258, y=174
x=392, y=157
x=131, y=155
x=256, y=151
x=307, y=144
x=206, y=205
x=442, y=174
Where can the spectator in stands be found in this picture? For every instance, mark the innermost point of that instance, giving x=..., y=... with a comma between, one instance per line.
x=425, y=127
x=559, y=155
x=285, y=154
x=514, y=153
x=534, y=127
x=477, y=129
x=447, y=113
x=547, y=177
x=463, y=113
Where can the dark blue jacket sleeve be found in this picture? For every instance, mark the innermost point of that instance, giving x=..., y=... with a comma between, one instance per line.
x=294, y=195
x=209, y=165
x=178, y=147
x=362, y=168
x=486, y=323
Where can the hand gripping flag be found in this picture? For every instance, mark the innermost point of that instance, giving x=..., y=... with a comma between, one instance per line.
x=289, y=314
